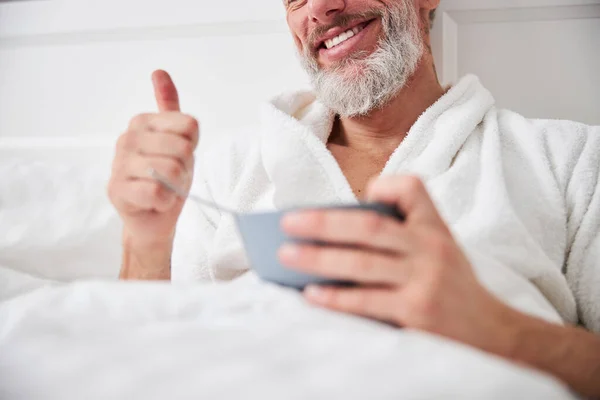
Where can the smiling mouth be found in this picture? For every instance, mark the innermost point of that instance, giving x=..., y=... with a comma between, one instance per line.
x=342, y=37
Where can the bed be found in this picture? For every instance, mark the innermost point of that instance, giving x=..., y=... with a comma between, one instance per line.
x=70, y=330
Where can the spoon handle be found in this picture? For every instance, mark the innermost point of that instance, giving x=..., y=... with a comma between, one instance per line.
x=178, y=191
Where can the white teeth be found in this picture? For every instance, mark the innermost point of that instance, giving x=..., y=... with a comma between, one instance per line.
x=342, y=37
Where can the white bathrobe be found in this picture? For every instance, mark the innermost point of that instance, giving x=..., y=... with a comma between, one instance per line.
x=521, y=196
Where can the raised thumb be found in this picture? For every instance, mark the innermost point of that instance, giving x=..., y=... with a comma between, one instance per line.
x=165, y=92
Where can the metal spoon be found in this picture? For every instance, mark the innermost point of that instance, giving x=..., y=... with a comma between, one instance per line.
x=181, y=193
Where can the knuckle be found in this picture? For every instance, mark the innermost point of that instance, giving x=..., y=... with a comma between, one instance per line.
x=321, y=259
x=139, y=121
x=312, y=256
x=122, y=141
x=165, y=203
x=358, y=302
x=174, y=170
x=155, y=191
x=439, y=261
x=337, y=300
x=426, y=308
x=130, y=140
x=358, y=264
x=159, y=197
x=110, y=190
x=440, y=245
x=372, y=223
x=126, y=142
x=318, y=220
x=190, y=124
x=413, y=184
x=434, y=280
x=187, y=149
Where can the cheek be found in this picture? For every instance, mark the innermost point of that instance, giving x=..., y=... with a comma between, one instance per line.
x=386, y=3
x=298, y=43
x=298, y=32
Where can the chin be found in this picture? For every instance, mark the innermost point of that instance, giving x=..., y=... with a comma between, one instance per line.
x=348, y=69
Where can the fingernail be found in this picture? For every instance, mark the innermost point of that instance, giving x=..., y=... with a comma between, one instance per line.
x=288, y=253
x=315, y=293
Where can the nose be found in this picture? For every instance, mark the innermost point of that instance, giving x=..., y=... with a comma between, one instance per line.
x=325, y=11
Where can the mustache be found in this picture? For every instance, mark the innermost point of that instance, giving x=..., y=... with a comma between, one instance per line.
x=342, y=20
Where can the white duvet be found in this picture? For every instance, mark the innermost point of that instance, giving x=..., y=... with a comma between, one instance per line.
x=245, y=339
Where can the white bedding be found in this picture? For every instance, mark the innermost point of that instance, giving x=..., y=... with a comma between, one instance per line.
x=245, y=339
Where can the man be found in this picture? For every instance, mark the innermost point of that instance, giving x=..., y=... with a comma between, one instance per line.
x=506, y=248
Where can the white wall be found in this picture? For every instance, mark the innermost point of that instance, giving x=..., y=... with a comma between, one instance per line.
x=569, y=79
x=538, y=57
x=73, y=72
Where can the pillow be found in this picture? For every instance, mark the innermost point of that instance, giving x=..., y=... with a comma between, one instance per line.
x=56, y=221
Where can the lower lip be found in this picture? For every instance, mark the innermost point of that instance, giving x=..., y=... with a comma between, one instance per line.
x=346, y=48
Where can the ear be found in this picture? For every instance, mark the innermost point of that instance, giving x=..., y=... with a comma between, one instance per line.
x=429, y=4
x=426, y=8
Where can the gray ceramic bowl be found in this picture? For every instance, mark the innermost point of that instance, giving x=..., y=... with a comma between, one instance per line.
x=262, y=237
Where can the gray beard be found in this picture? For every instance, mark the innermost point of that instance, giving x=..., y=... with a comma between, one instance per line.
x=360, y=85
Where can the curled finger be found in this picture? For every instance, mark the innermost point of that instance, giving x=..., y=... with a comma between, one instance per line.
x=349, y=227
x=167, y=145
x=347, y=264
x=145, y=195
x=376, y=303
x=138, y=167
